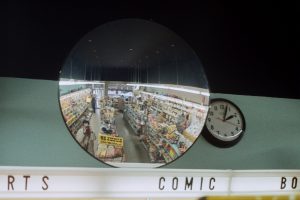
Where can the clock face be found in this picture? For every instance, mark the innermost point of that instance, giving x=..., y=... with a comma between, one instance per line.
x=225, y=123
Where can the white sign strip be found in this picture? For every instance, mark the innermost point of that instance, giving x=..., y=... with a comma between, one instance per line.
x=23, y=182
x=266, y=182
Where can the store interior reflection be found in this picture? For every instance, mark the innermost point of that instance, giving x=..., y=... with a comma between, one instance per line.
x=136, y=123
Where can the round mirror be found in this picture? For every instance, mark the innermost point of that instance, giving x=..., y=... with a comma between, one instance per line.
x=133, y=94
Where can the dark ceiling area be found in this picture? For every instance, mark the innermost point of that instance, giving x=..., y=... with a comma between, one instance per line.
x=134, y=50
x=246, y=48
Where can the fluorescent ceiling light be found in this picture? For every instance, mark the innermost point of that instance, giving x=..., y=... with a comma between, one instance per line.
x=74, y=82
x=171, y=88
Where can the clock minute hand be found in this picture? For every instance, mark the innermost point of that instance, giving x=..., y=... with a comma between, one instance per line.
x=225, y=113
x=229, y=117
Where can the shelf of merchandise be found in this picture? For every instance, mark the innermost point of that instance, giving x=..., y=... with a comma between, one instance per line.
x=173, y=107
x=73, y=105
x=156, y=137
x=180, y=104
x=165, y=111
x=78, y=123
x=75, y=117
x=187, y=135
x=132, y=118
x=194, y=130
x=79, y=92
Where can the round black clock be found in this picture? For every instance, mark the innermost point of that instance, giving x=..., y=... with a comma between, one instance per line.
x=225, y=123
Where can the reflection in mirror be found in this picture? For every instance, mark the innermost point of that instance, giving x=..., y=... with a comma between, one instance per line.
x=133, y=94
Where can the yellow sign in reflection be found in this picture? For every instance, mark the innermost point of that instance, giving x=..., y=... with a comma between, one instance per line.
x=110, y=140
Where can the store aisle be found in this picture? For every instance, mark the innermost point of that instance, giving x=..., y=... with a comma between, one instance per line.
x=96, y=121
x=95, y=126
x=134, y=150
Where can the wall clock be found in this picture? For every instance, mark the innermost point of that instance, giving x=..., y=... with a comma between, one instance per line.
x=225, y=123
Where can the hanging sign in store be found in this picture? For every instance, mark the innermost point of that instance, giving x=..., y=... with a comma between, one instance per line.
x=22, y=182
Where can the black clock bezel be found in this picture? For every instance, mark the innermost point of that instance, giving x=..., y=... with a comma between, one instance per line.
x=209, y=137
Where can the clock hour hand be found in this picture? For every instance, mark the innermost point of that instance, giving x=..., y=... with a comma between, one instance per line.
x=229, y=117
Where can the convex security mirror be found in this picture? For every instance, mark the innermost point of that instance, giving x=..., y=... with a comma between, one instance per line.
x=133, y=94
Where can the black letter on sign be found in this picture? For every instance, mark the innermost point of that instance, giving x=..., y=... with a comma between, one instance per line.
x=159, y=185
x=175, y=183
x=201, y=183
x=44, y=181
x=283, y=183
x=210, y=186
x=294, y=182
x=10, y=181
x=26, y=181
x=188, y=183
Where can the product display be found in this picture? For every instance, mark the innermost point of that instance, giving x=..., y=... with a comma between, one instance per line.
x=74, y=106
x=167, y=120
x=110, y=144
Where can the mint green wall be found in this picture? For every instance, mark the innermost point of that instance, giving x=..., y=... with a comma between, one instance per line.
x=33, y=133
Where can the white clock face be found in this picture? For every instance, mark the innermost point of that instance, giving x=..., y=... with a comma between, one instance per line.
x=224, y=121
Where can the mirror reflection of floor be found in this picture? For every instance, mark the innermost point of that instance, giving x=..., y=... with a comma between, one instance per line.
x=133, y=148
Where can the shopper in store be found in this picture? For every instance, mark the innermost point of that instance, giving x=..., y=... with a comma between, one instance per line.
x=87, y=134
x=182, y=122
x=187, y=121
x=182, y=147
x=93, y=103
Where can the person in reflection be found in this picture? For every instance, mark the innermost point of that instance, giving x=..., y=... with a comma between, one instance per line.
x=93, y=103
x=87, y=134
x=180, y=122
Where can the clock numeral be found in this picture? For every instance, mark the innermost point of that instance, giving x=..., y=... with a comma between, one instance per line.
x=225, y=134
x=236, y=128
x=212, y=127
x=209, y=119
x=215, y=107
x=218, y=132
x=232, y=133
x=211, y=113
x=238, y=122
x=228, y=108
x=222, y=107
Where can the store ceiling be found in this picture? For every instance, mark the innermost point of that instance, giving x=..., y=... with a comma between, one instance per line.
x=134, y=50
x=127, y=43
x=246, y=47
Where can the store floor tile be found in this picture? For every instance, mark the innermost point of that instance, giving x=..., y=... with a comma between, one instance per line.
x=134, y=150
